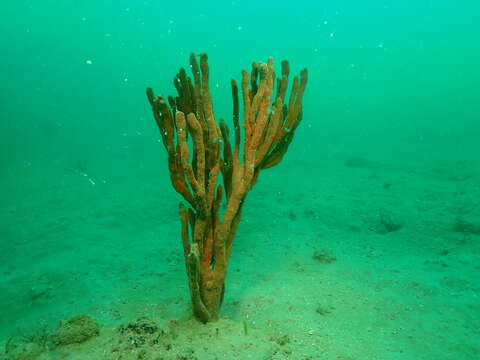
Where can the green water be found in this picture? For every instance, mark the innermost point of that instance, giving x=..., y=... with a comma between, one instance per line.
x=383, y=175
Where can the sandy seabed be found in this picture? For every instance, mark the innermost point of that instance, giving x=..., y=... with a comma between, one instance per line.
x=361, y=260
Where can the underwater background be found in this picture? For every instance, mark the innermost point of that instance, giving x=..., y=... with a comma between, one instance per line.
x=364, y=243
